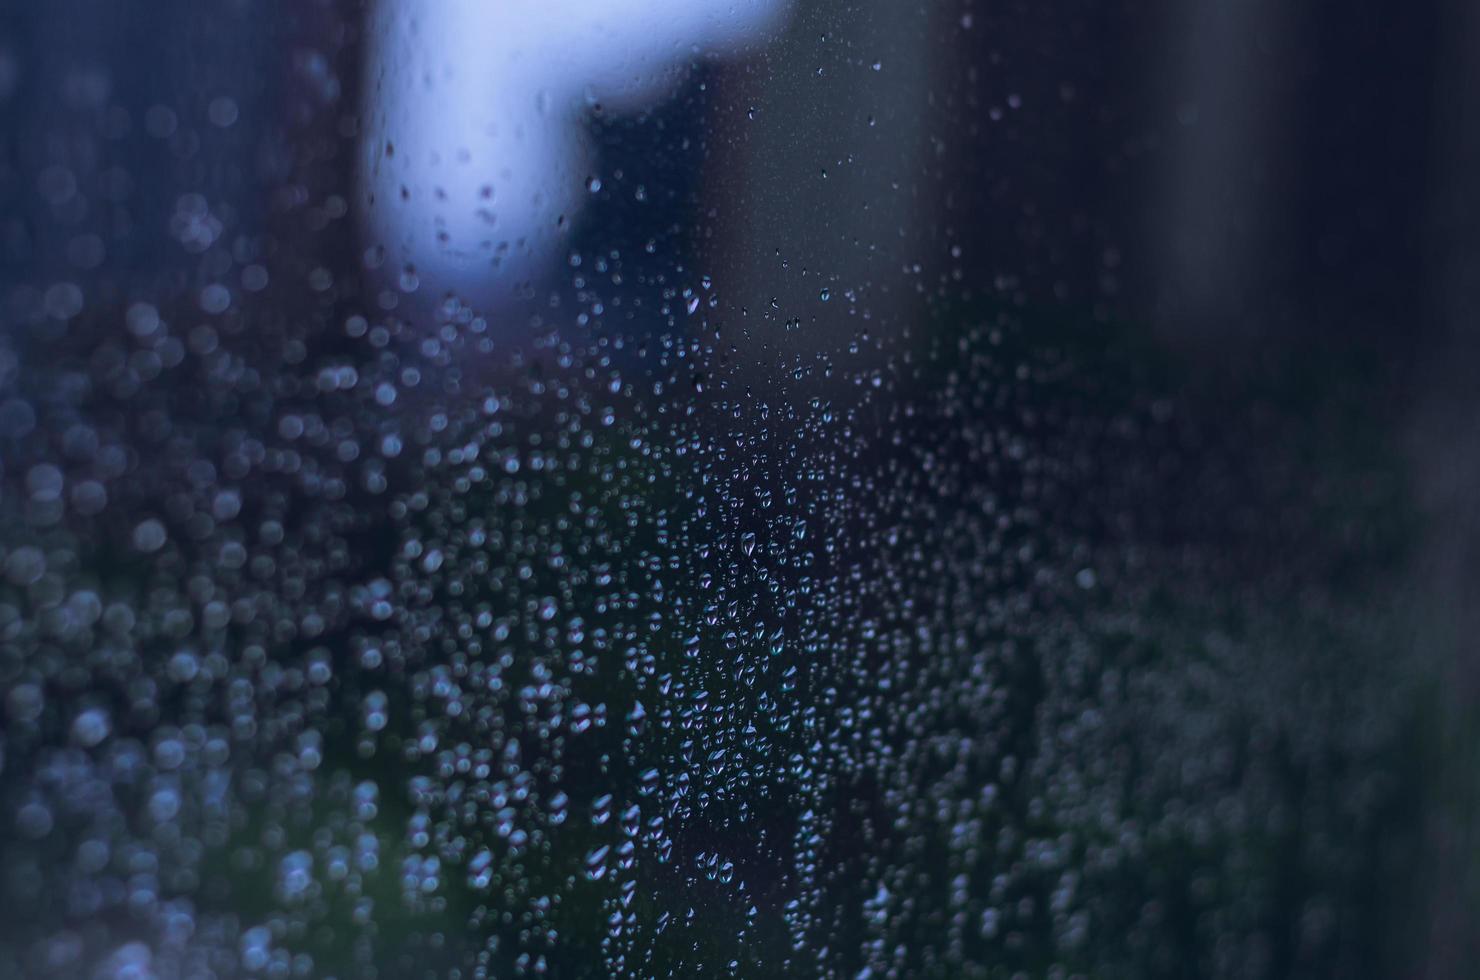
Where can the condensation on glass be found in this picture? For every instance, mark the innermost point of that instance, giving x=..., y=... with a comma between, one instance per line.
x=694, y=489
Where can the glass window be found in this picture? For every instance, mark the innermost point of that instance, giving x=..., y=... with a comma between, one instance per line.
x=738, y=488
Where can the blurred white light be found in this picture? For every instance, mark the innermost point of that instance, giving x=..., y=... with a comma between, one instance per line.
x=476, y=153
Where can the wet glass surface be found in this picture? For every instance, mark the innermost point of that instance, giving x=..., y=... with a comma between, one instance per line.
x=762, y=488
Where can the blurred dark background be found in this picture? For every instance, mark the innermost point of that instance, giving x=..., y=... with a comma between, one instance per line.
x=1265, y=213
